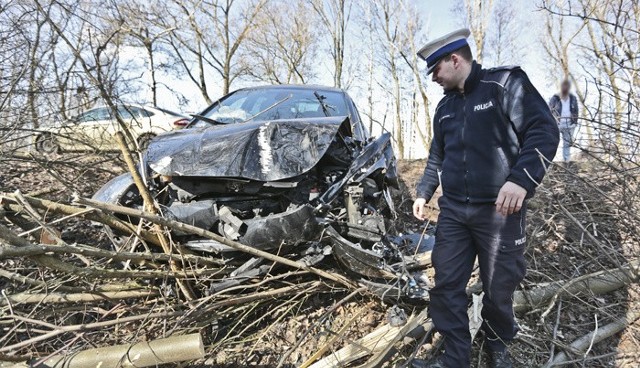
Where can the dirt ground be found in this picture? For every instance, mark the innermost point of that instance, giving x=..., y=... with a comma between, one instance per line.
x=296, y=329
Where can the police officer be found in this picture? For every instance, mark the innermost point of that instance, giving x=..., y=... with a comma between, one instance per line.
x=489, y=132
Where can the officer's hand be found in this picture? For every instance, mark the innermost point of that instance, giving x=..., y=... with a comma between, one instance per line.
x=418, y=208
x=510, y=198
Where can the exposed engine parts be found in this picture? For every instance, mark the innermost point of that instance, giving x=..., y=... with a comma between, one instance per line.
x=332, y=198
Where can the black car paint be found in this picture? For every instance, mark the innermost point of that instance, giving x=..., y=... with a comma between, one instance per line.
x=248, y=168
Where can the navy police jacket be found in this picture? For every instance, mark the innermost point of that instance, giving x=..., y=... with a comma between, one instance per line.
x=492, y=133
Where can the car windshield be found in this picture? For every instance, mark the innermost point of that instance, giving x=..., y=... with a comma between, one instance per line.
x=274, y=104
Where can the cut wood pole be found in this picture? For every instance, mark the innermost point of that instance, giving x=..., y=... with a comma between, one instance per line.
x=143, y=354
x=150, y=207
x=55, y=297
x=582, y=344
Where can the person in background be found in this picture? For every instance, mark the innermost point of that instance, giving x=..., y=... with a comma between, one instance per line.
x=489, y=131
x=564, y=107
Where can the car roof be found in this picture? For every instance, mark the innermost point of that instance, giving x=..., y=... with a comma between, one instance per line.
x=310, y=87
x=118, y=105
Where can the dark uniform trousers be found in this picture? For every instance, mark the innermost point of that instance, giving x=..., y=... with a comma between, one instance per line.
x=464, y=231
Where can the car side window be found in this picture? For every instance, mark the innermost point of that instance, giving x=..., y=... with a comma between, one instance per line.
x=138, y=112
x=146, y=113
x=101, y=113
x=126, y=113
x=132, y=112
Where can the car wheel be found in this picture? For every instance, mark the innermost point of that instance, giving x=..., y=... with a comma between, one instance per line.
x=143, y=141
x=47, y=144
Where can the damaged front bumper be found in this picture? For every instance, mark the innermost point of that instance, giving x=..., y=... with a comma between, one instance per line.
x=338, y=196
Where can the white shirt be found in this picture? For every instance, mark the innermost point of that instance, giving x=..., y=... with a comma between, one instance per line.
x=565, y=113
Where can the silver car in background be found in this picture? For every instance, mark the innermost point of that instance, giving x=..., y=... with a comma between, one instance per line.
x=95, y=129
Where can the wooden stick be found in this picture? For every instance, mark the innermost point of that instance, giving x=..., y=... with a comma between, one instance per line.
x=149, y=206
x=71, y=289
x=55, y=298
x=58, y=330
x=42, y=249
x=8, y=237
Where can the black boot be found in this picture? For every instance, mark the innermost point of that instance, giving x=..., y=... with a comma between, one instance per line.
x=501, y=359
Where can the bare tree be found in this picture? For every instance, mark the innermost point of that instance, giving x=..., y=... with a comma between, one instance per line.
x=477, y=16
x=95, y=43
x=386, y=15
x=334, y=16
x=369, y=33
x=557, y=41
x=210, y=35
x=605, y=44
x=144, y=25
x=503, y=45
x=409, y=51
x=283, y=47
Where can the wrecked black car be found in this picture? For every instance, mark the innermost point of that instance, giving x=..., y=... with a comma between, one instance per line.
x=283, y=168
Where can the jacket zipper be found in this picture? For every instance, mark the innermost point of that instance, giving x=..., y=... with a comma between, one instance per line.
x=464, y=148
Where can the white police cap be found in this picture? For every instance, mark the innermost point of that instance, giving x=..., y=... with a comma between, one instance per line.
x=436, y=49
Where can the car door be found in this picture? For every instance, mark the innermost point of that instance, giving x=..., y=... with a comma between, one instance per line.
x=94, y=129
x=78, y=134
x=137, y=120
x=134, y=120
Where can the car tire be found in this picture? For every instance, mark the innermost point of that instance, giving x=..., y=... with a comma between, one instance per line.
x=143, y=141
x=47, y=144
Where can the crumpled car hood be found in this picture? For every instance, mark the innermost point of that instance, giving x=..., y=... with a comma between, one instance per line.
x=257, y=150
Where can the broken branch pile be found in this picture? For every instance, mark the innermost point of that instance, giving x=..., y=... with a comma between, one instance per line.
x=62, y=298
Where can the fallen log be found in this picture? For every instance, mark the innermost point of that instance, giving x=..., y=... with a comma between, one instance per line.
x=601, y=282
x=143, y=354
x=582, y=345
